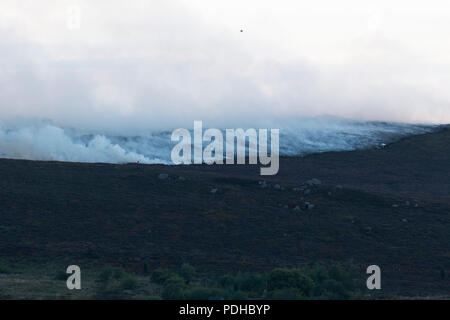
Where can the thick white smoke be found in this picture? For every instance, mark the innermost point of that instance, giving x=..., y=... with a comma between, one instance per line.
x=45, y=141
x=131, y=71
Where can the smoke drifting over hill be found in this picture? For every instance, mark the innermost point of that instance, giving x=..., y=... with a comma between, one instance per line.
x=160, y=65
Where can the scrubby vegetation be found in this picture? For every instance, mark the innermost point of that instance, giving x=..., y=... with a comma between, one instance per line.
x=318, y=282
x=183, y=283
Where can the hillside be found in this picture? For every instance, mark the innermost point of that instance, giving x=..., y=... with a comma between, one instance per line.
x=389, y=207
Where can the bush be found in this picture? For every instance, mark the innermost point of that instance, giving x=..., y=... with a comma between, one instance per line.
x=172, y=293
x=283, y=278
x=335, y=290
x=129, y=283
x=187, y=272
x=227, y=282
x=250, y=283
x=319, y=274
x=338, y=273
x=173, y=288
x=333, y=283
x=175, y=280
x=160, y=275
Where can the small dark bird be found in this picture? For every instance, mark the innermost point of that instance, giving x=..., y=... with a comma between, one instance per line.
x=242, y=30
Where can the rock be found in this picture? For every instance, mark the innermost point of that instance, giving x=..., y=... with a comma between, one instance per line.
x=213, y=191
x=313, y=182
x=307, y=191
x=404, y=220
x=163, y=176
x=262, y=184
x=309, y=206
x=277, y=187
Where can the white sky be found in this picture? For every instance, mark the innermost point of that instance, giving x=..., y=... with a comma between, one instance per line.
x=166, y=62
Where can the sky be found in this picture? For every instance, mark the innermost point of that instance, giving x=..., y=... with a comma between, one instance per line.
x=137, y=65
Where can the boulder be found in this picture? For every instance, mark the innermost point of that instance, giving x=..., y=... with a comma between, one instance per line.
x=309, y=206
x=163, y=176
x=313, y=182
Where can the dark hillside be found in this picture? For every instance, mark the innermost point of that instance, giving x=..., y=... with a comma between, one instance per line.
x=389, y=207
